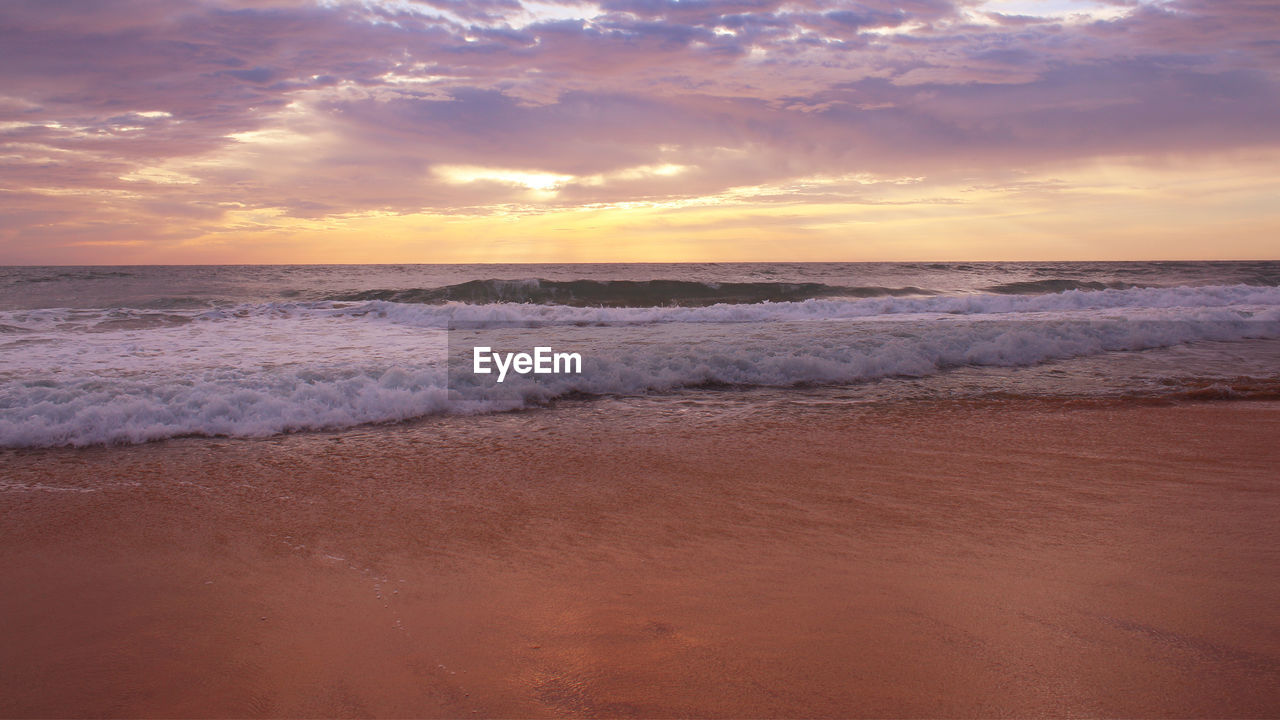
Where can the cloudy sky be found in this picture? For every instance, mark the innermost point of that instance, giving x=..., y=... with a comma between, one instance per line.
x=194, y=131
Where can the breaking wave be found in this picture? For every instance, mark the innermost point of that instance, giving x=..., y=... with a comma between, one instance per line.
x=86, y=377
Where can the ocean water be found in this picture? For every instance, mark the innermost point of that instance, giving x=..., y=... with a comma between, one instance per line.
x=117, y=355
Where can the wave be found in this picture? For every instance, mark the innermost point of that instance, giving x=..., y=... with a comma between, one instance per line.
x=497, y=315
x=530, y=315
x=138, y=402
x=1054, y=285
x=94, y=376
x=1237, y=388
x=624, y=293
x=509, y=314
x=124, y=410
x=65, y=274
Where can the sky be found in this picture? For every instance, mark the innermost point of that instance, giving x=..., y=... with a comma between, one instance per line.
x=347, y=131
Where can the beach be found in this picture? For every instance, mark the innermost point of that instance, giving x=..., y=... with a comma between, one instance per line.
x=640, y=359
x=959, y=558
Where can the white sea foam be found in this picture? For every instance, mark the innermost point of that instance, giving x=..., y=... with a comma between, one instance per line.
x=79, y=377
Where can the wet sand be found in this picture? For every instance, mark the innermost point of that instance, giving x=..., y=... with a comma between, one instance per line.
x=1009, y=559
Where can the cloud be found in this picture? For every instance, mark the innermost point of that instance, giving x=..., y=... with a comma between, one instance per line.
x=331, y=109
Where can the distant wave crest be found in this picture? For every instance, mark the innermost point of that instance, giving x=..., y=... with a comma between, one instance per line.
x=624, y=293
x=1054, y=285
x=504, y=314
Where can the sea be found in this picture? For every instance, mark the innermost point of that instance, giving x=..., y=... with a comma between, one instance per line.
x=117, y=355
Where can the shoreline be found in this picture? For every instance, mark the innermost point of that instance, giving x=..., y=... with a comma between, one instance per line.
x=966, y=560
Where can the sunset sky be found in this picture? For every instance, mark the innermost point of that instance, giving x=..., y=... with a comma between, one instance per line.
x=227, y=131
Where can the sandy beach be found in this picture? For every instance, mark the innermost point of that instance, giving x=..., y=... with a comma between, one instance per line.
x=940, y=560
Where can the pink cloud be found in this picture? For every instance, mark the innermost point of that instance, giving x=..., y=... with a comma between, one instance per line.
x=132, y=99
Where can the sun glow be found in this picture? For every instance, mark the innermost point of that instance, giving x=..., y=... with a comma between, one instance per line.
x=547, y=184
x=541, y=182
